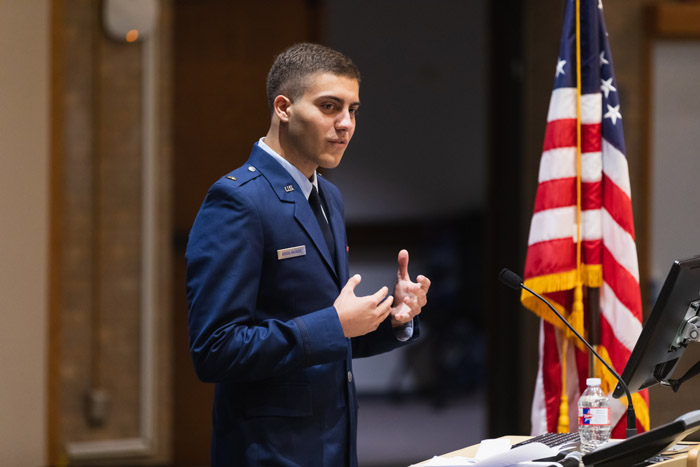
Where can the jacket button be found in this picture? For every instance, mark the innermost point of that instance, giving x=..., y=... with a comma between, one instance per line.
x=349, y=376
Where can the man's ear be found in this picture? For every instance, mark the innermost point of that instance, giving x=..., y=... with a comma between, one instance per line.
x=280, y=106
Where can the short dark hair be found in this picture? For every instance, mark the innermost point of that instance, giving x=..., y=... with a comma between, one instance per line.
x=290, y=70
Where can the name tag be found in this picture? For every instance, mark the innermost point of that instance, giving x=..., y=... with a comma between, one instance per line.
x=292, y=252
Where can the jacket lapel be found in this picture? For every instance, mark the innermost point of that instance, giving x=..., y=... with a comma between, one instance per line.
x=337, y=223
x=305, y=216
x=280, y=180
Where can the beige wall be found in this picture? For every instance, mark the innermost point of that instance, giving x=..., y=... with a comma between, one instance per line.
x=24, y=210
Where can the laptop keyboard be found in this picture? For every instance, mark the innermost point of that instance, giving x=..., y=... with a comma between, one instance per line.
x=552, y=440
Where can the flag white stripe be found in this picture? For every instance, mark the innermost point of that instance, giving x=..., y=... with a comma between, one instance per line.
x=591, y=224
x=559, y=223
x=552, y=224
x=591, y=108
x=591, y=167
x=620, y=244
x=557, y=163
x=562, y=105
x=615, y=167
x=626, y=325
x=561, y=163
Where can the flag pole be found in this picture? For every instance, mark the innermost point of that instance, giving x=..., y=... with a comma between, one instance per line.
x=577, y=309
x=576, y=315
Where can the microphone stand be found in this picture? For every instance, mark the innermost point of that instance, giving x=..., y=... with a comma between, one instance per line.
x=509, y=278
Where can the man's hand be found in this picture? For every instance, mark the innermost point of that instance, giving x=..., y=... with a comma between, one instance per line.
x=409, y=297
x=361, y=315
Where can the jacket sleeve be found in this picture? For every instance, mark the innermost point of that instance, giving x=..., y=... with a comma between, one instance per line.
x=228, y=340
x=382, y=340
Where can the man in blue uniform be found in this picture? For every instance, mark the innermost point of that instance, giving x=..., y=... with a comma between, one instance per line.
x=274, y=319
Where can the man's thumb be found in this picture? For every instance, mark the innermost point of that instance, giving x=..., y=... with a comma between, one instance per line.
x=352, y=283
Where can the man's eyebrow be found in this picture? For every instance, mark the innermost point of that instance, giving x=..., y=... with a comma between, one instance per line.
x=338, y=100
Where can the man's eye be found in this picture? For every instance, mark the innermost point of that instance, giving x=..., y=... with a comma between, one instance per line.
x=355, y=111
x=329, y=106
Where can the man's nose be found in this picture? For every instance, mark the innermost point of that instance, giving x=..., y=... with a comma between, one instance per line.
x=345, y=121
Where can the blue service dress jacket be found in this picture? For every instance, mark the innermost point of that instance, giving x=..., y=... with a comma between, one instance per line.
x=261, y=286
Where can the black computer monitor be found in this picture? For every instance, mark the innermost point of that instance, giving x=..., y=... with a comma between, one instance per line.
x=644, y=445
x=672, y=324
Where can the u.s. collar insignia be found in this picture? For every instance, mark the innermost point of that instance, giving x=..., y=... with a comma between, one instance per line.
x=288, y=188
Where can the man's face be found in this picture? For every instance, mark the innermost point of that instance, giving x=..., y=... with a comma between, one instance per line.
x=321, y=122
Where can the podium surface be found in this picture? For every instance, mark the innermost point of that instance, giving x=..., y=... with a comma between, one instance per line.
x=688, y=457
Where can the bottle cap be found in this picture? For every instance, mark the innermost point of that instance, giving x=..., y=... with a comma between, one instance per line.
x=593, y=382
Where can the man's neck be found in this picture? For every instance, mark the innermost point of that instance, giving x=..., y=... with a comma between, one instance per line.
x=274, y=142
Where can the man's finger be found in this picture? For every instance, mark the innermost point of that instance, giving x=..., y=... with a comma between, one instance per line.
x=385, y=306
x=352, y=283
x=403, y=264
x=424, y=282
x=380, y=294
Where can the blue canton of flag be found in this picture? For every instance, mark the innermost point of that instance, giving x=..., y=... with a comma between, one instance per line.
x=596, y=66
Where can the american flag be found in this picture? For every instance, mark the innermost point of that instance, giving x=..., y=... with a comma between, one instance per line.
x=608, y=257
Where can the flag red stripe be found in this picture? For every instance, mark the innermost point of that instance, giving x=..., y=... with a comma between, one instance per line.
x=617, y=352
x=590, y=138
x=555, y=194
x=558, y=256
x=560, y=134
x=622, y=283
x=618, y=357
x=618, y=204
x=550, y=257
x=551, y=372
x=591, y=195
x=561, y=192
x=591, y=251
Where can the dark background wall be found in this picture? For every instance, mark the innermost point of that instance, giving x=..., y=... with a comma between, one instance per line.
x=444, y=162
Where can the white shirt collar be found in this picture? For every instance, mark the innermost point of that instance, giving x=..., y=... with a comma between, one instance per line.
x=304, y=183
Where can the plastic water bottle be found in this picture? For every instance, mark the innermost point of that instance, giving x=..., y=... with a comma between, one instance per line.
x=593, y=416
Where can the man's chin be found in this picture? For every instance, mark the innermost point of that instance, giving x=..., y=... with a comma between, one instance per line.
x=330, y=163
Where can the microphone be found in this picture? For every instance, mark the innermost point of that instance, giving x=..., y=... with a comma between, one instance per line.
x=514, y=281
x=510, y=279
x=573, y=459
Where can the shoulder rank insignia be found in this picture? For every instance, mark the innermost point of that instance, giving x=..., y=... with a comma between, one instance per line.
x=231, y=178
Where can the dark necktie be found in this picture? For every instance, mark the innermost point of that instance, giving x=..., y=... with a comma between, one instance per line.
x=315, y=202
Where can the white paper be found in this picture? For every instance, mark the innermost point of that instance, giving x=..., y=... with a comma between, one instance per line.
x=510, y=458
x=450, y=461
x=491, y=447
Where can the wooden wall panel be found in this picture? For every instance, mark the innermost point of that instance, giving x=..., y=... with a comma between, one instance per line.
x=222, y=52
x=110, y=286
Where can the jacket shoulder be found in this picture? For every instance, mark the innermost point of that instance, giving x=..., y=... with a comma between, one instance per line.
x=240, y=176
x=235, y=180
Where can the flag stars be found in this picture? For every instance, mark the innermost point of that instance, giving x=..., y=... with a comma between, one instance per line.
x=603, y=61
x=613, y=113
x=560, y=67
x=606, y=86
